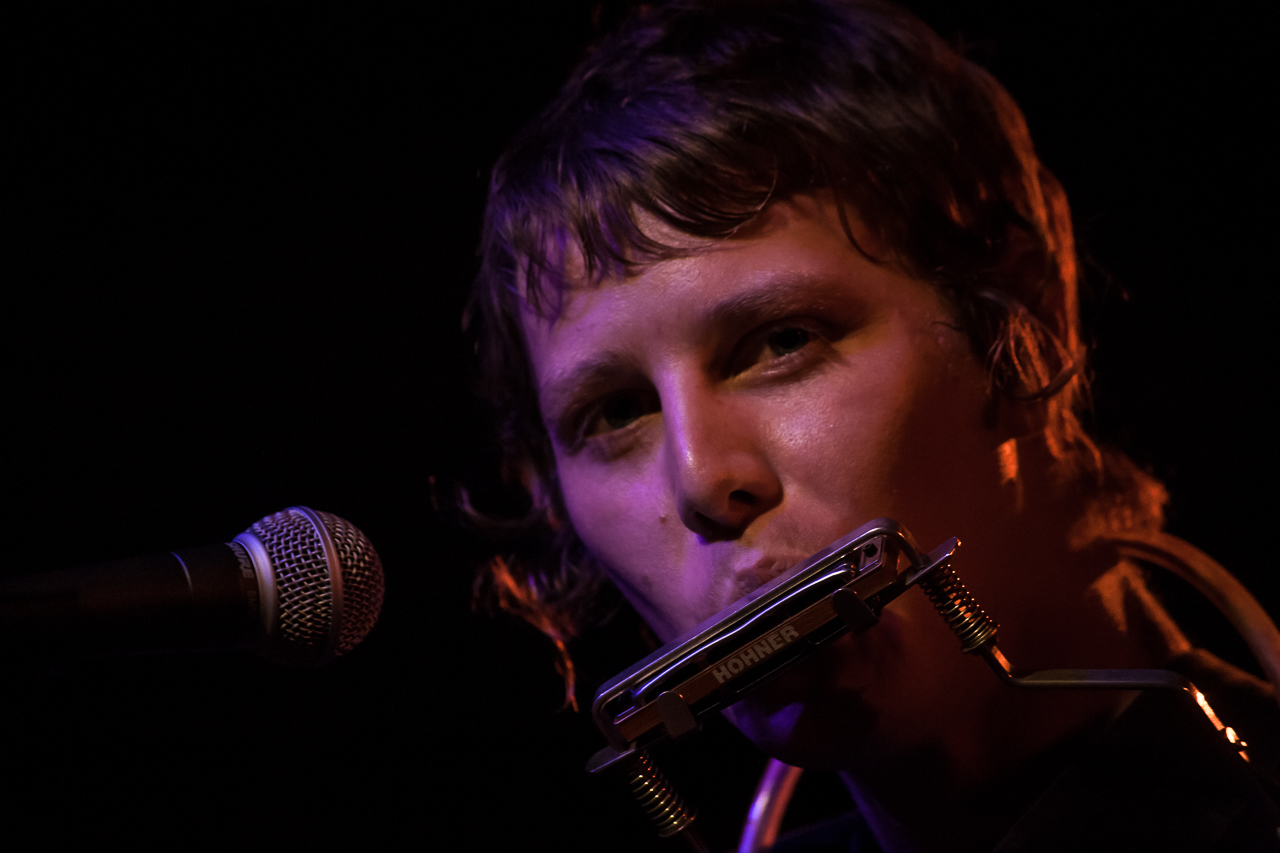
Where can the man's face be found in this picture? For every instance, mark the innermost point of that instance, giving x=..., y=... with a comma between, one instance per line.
x=718, y=418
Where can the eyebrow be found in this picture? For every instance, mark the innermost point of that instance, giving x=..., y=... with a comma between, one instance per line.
x=562, y=391
x=771, y=295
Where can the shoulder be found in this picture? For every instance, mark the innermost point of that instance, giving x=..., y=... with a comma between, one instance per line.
x=1242, y=703
x=1161, y=777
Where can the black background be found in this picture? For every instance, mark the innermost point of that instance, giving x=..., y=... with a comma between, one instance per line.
x=241, y=239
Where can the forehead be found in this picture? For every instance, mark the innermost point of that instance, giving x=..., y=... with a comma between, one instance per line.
x=700, y=270
x=570, y=275
x=796, y=258
x=779, y=235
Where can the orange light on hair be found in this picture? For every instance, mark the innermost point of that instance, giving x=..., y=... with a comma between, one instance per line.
x=522, y=600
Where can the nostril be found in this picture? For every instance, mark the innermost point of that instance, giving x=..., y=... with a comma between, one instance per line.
x=743, y=497
x=710, y=529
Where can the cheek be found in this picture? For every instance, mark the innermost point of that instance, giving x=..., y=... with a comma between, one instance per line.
x=898, y=434
x=947, y=474
x=605, y=513
x=623, y=520
x=841, y=447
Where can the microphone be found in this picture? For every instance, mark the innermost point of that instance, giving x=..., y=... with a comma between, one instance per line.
x=298, y=587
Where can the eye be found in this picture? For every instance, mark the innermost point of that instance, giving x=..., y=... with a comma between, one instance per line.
x=788, y=340
x=620, y=411
x=777, y=349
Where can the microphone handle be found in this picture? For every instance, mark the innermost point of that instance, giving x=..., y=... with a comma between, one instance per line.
x=197, y=598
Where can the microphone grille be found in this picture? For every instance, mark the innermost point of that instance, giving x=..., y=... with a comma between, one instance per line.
x=317, y=619
x=362, y=581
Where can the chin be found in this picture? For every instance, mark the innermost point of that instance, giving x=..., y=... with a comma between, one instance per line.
x=814, y=715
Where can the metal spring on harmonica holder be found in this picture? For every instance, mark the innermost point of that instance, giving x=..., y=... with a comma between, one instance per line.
x=656, y=796
x=957, y=606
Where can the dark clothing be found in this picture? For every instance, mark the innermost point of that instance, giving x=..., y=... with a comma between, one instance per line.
x=1161, y=777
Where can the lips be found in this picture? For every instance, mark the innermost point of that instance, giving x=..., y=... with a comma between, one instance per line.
x=751, y=577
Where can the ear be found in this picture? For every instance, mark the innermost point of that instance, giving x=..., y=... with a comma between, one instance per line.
x=1017, y=419
x=1032, y=273
x=1036, y=355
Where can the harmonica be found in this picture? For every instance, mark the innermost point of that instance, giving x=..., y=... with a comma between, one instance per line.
x=841, y=588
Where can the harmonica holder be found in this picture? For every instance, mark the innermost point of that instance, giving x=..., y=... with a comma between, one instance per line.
x=841, y=589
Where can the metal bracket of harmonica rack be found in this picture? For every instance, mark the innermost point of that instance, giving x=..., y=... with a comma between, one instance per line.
x=936, y=577
x=977, y=634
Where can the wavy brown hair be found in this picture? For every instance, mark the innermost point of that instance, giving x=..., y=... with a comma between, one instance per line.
x=701, y=114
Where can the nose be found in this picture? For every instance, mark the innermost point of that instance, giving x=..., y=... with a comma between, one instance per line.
x=721, y=473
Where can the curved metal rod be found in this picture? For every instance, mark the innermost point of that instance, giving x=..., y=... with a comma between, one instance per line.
x=1169, y=552
x=1215, y=583
x=768, y=806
